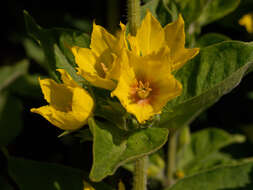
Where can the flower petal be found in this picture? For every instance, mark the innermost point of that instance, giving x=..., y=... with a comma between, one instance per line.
x=85, y=59
x=63, y=120
x=66, y=78
x=87, y=186
x=114, y=72
x=97, y=81
x=87, y=62
x=152, y=67
x=183, y=56
x=247, y=22
x=101, y=40
x=149, y=37
x=58, y=95
x=175, y=40
x=126, y=79
x=82, y=105
x=122, y=36
x=168, y=89
x=142, y=112
x=80, y=109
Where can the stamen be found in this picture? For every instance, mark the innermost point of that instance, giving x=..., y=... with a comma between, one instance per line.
x=143, y=90
x=105, y=69
x=101, y=69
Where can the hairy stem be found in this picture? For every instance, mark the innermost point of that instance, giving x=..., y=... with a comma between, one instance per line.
x=133, y=15
x=171, y=159
x=140, y=174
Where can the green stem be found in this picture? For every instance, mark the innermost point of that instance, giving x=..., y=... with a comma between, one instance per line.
x=133, y=15
x=140, y=173
x=171, y=158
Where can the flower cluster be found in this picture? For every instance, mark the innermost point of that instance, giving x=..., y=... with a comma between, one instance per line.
x=136, y=69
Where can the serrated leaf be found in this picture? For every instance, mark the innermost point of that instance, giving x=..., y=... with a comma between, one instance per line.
x=55, y=44
x=112, y=147
x=10, y=118
x=237, y=176
x=214, y=72
x=210, y=39
x=8, y=74
x=203, y=150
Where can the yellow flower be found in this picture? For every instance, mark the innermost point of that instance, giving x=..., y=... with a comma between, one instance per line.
x=87, y=186
x=69, y=104
x=121, y=186
x=151, y=37
x=179, y=174
x=99, y=64
x=145, y=84
x=247, y=22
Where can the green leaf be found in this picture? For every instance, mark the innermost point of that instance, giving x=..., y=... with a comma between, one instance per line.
x=210, y=39
x=151, y=6
x=214, y=72
x=27, y=85
x=62, y=62
x=112, y=147
x=237, y=176
x=56, y=45
x=206, y=11
x=8, y=74
x=202, y=152
x=191, y=9
x=10, y=118
x=164, y=10
x=83, y=24
x=34, y=52
x=30, y=175
x=216, y=9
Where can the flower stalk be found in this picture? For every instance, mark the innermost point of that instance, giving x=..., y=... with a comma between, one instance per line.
x=133, y=15
x=171, y=158
x=140, y=173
